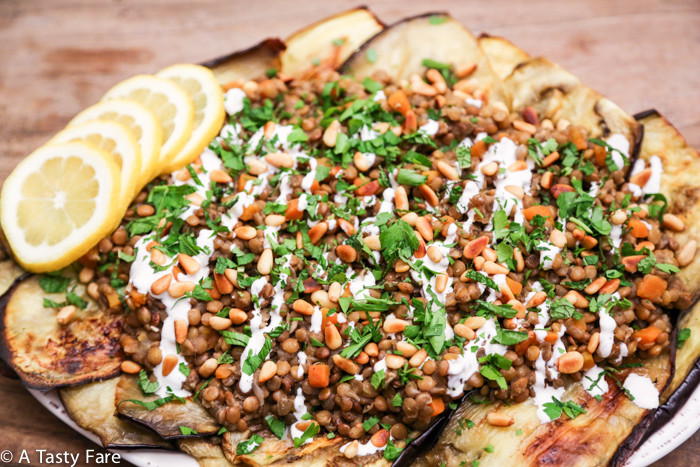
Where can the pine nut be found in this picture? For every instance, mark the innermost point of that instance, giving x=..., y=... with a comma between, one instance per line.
x=492, y=268
x=380, y=438
x=519, y=260
x=268, y=370
x=441, y=282
x=593, y=343
x=330, y=136
x=516, y=191
x=208, y=368
x=346, y=253
x=317, y=232
x=595, y=286
x=524, y=127
x=256, y=166
x=145, y=210
x=401, y=266
x=407, y=350
x=332, y=335
x=557, y=238
x=478, y=263
x=570, y=362
x=465, y=70
x=394, y=362
x=475, y=247
x=373, y=242
x=130, y=367
x=429, y=195
x=499, y=419
x=218, y=323
x=610, y=286
x=434, y=254
x=537, y=299
x=237, y=316
x=361, y=162
x=161, y=284
x=246, y=232
x=550, y=159
x=269, y=129
x=169, y=363
x=178, y=289
x=563, y=124
x=490, y=169
x=348, y=366
x=519, y=307
x=86, y=275
x=180, y=330
x=424, y=228
x=371, y=349
x=576, y=299
x=335, y=291
x=320, y=297
x=619, y=217
x=462, y=330
x=219, y=176
x=489, y=254
x=673, y=222
x=195, y=198
x=303, y=307
x=448, y=170
x=546, y=180
x=517, y=166
x=687, y=253
x=188, y=263
x=401, y=199
x=474, y=322
x=410, y=218
x=158, y=257
x=418, y=359
x=392, y=325
x=421, y=87
x=279, y=159
x=351, y=449
x=274, y=220
x=265, y=262
x=232, y=276
x=65, y=314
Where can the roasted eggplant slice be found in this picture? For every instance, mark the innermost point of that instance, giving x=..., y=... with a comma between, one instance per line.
x=557, y=94
x=247, y=64
x=46, y=354
x=503, y=55
x=206, y=453
x=401, y=48
x=91, y=406
x=9, y=272
x=167, y=419
x=589, y=439
x=327, y=44
x=320, y=452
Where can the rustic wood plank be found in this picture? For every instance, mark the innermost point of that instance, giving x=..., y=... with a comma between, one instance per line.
x=61, y=56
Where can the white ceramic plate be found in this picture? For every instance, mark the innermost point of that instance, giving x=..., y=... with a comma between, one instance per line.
x=673, y=434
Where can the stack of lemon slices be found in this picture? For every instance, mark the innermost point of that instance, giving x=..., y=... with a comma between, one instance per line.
x=73, y=191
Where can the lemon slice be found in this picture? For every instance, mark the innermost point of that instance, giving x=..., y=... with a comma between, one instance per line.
x=208, y=99
x=116, y=140
x=169, y=103
x=58, y=203
x=142, y=124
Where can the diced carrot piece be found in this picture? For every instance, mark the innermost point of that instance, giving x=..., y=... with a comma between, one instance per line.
x=588, y=361
x=368, y=190
x=578, y=138
x=242, y=180
x=438, y=405
x=638, y=229
x=249, y=211
x=292, y=213
x=651, y=287
x=333, y=319
x=399, y=102
x=314, y=186
x=319, y=375
x=532, y=211
x=478, y=149
x=515, y=286
x=600, y=154
x=552, y=337
x=521, y=347
x=560, y=188
x=647, y=335
x=335, y=170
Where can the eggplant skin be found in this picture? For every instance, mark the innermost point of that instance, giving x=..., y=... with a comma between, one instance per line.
x=247, y=64
x=46, y=355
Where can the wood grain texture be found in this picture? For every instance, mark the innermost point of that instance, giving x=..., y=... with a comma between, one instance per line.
x=60, y=56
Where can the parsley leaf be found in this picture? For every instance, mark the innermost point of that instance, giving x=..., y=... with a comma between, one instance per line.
x=276, y=425
x=249, y=445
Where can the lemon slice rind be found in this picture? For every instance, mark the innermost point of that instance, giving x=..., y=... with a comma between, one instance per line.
x=206, y=94
x=141, y=122
x=94, y=178
x=169, y=103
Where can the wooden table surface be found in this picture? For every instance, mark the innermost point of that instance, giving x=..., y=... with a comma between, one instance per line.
x=60, y=56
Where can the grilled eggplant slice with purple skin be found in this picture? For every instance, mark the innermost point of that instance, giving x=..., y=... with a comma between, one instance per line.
x=247, y=64
x=328, y=43
x=503, y=55
x=91, y=406
x=167, y=419
x=46, y=354
x=400, y=49
x=207, y=453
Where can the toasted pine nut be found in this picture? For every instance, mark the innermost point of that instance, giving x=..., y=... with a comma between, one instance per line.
x=576, y=299
x=334, y=292
x=465, y=331
x=232, y=276
x=563, y=124
x=269, y=129
x=448, y=170
x=407, y=350
x=570, y=362
x=371, y=349
x=499, y=419
x=188, y=263
x=265, y=262
x=372, y=242
x=361, y=162
x=208, y=368
x=392, y=325
x=401, y=266
x=479, y=263
x=65, y=314
x=317, y=232
x=346, y=253
x=546, y=180
x=429, y=195
x=320, y=297
x=246, y=232
x=687, y=253
x=517, y=166
x=158, y=257
x=618, y=217
x=219, y=176
x=537, y=299
x=462, y=71
x=256, y=166
x=348, y=366
x=351, y=449
x=421, y=87
x=380, y=438
x=280, y=159
x=410, y=218
x=490, y=169
x=218, y=323
x=434, y=253
x=492, y=268
x=180, y=330
x=274, y=220
x=330, y=136
x=595, y=286
x=673, y=222
x=178, y=289
x=437, y=79
x=401, y=199
x=418, y=359
x=130, y=367
x=474, y=322
x=303, y=307
x=424, y=229
x=557, y=238
x=268, y=370
x=593, y=343
x=86, y=275
x=518, y=305
x=519, y=260
x=161, y=284
x=550, y=159
x=169, y=363
x=489, y=254
x=524, y=127
x=516, y=191
x=332, y=335
x=441, y=282
x=610, y=286
x=394, y=361
x=237, y=316
x=195, y=198
x=475, y=247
